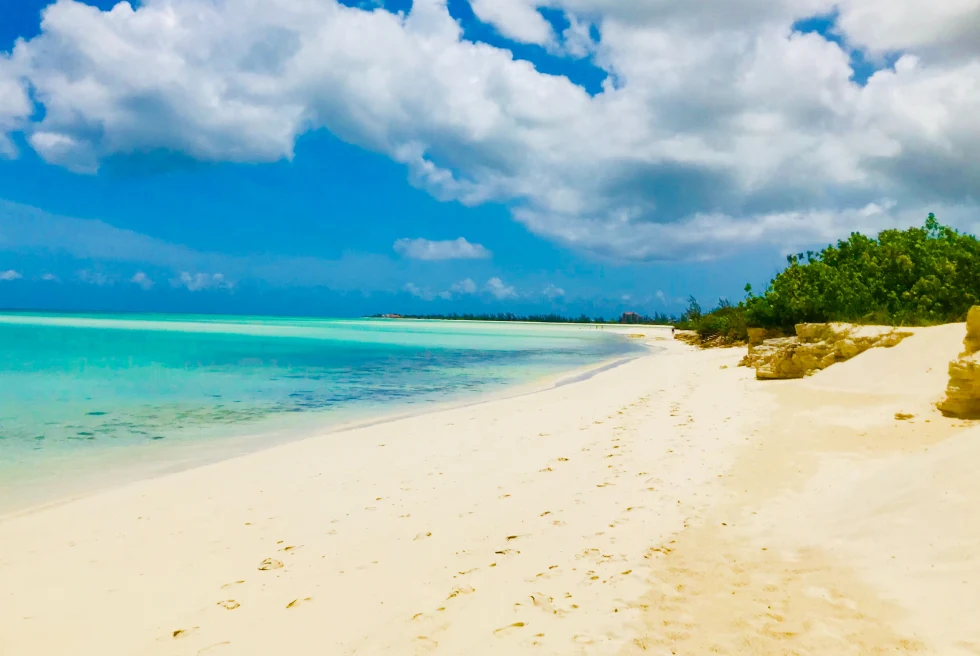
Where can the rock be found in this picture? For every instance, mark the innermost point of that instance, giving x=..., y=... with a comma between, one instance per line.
x=809, y=333
x=815, y=347
x=963, y=391
x=688, y=337
x=758, y=335
x=972, y=342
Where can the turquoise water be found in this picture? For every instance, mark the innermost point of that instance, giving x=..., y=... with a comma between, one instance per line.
x=85, y=399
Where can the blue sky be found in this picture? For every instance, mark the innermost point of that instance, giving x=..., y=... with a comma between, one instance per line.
x=559, y=156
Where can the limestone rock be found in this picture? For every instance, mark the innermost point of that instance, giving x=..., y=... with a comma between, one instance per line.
x=972, y=342
x=758, y=335
x=963, y=391
x=815, y=347
x=688, y=337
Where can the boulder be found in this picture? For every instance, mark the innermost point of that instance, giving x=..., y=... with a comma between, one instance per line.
x=972, y=342
x=815, y=347
x=963, y=391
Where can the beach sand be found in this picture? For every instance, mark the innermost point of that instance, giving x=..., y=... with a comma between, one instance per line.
x=670, y=505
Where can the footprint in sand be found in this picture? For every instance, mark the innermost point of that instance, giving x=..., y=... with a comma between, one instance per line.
x=422, y=536
x=507, y=629
x=231, y=585
x=183, y=633
x=426, y=643
x=544, y=603
x=296, y=602
x=270, y=563
x=461, y=590
x=229, y=604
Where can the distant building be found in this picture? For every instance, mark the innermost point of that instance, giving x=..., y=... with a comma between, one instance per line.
x=391, y=316
x=630, y=317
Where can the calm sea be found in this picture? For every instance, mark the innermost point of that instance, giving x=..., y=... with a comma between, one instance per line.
x=89, y=400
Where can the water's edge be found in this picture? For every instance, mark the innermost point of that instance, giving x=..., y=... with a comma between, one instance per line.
x=248, y=442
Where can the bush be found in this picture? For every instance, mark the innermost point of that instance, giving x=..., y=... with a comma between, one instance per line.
x=919, y=276
x=725, y=323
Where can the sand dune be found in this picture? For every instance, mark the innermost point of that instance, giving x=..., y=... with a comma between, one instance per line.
x=669, y=505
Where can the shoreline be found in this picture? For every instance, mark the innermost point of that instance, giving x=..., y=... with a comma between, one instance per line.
x=192, y=455
x=671, y=503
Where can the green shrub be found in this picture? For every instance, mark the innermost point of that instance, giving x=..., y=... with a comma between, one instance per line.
x=726, y=322
x=919, y=276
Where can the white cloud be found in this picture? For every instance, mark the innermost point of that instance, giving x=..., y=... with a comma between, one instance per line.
x=715, y=115
x=456, y=249
x=499, y=290
x=50, y=277
x=28, y=230
x=553, y=292
x=950, y=27
x=417, y=291
x=578, y=38
x=661, y=296
x=515, y=19
x=466, y=286
x=15, y=105
x=196, y=282
x=10, y=274
x=143, y=280
x=457, y=289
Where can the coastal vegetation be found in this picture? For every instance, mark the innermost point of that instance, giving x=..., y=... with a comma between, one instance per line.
x=915, y=277
x=630, y=318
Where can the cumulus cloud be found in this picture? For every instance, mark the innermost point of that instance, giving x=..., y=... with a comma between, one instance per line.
x=553, y=292
x=50, y=277
x=28, y=230
x=196, y=282
x=10, y=274
x=144, y=281
x=15, y=105
x=500, y=291
x=494, y=287
x=466, y=286
x=718, y=126
x=417, y=292
x=455, y=249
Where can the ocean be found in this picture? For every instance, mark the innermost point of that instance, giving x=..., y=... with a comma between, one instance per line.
x=88, y=401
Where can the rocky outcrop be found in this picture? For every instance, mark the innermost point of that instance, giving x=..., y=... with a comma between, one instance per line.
x=688, y=337
x=963, y=392
x=816, y=346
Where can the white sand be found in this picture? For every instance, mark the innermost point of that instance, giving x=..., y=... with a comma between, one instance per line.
x=670, y=505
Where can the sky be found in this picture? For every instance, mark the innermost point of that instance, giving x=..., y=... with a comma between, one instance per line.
x=318, y=157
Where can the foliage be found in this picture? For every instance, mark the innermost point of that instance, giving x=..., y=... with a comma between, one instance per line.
x=726, y=323
x=919, y=276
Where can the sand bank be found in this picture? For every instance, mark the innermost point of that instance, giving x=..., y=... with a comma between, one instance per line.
x=669, y=505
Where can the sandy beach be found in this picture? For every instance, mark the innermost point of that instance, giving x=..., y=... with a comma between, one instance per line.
x=669, y=505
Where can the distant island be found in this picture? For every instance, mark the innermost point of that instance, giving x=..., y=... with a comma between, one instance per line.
x=627, y=318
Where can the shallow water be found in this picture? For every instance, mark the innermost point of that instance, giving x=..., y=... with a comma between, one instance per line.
x=85, y=397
